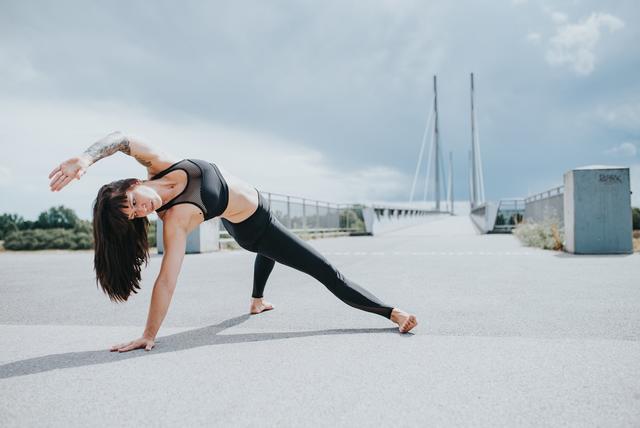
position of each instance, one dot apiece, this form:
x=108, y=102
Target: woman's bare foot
x=404, y=320
x=259, y=305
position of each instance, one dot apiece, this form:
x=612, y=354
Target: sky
x=324, y=100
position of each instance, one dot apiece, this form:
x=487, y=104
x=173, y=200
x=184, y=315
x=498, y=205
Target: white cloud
x=534, y=38
x=624, y=116
x=574, y=44
x=626, y=149
x=58, y=131
x=559, y=17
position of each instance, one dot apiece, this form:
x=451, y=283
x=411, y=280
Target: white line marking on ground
x=429, y=253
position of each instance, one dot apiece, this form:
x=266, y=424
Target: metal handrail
x=290, y=198
x=546, y=194
x=314, y=213
x=515, y=202
x=311, y=208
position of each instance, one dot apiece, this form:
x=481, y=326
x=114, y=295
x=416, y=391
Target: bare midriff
x=243, y=198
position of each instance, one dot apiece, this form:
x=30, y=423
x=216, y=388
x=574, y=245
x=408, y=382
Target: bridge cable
x=444, y=183
x=431, y=150
x=479, y=165
x=424, y=140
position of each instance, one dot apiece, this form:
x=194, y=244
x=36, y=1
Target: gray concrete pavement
x=508, y=335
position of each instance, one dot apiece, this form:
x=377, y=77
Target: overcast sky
x=323, y=100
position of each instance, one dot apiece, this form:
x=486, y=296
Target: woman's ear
x=134, y=184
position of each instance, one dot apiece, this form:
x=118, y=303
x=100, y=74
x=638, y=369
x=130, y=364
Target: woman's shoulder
x=162, y=166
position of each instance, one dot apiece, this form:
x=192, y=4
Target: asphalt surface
x=507, y=336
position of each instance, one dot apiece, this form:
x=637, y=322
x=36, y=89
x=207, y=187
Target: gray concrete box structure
x=204, y=239
x=597, y=210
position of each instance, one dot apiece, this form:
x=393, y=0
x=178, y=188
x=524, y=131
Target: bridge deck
x=508, y=335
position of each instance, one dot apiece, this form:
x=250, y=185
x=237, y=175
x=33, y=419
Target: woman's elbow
x=166, y=283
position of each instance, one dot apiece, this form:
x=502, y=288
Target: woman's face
x=143, y=200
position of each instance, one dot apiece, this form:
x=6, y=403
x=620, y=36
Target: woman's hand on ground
x=142, y=342
x=68, y=170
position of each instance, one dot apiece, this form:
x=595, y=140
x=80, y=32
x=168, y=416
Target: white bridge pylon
x=476, y=177
x=434, y=181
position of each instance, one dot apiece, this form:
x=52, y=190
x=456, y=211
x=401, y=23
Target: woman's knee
x=262, y=260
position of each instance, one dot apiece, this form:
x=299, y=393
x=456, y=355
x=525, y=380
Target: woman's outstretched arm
x=152, y=158
x=114, y=142
x=119, y=142
x=175, y=240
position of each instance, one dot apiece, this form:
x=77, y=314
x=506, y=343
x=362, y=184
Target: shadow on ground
x=205, y=336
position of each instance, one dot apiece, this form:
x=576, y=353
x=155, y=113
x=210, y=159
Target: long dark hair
x=121, y=245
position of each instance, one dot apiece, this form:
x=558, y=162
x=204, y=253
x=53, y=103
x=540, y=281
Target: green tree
x=636, y=218
x=59, y=227
x=9, y=223
x=27, y=225
x=57, y=217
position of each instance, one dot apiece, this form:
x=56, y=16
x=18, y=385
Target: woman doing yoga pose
x=184, y=193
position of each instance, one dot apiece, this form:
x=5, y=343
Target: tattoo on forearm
x=107, y=146
x=143, y=162
x=110, y=144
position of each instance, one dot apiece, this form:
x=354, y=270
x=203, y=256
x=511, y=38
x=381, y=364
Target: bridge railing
x=545, y=206
x=315, y=217
x=510, y=214
x=385, y=218
x=312, y=216
x=483, y=216
x=502, y=217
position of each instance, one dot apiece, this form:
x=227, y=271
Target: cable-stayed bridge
x=486, y=216
x=430, y=197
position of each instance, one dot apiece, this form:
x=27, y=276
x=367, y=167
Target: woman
x=184, y=193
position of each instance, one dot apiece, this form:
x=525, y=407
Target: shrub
x=42, y=239
x=352, y=218
x=19, y=234
x=55, y=217
x=151, y=233
x=636, y=218
x=9, y=223
x=83, y=226
x=545, y=235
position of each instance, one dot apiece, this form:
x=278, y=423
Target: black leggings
x=263, y=234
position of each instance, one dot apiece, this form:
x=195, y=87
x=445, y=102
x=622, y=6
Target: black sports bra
x=206, y=187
